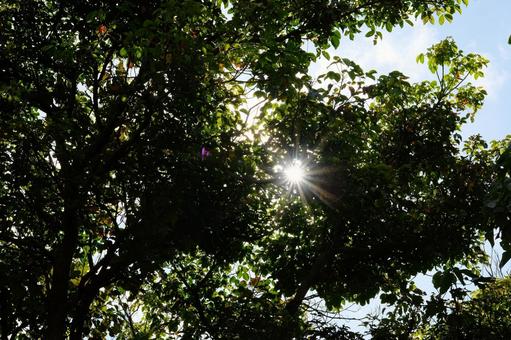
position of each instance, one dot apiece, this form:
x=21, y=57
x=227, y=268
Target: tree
x=132, y=177
x=484, y=314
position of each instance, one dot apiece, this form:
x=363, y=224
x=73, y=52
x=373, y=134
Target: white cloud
x=504, y=51
x=494, y=80
x=397, y=51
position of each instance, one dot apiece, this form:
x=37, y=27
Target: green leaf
x=437, y=278
x=388, y=26
x=123, y=52
x=443, y=280
x=335, y=39
x=138, y=53
x=333, y=75
x=245, y=276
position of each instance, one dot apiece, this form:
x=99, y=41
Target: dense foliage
x=140, y=143
x=484, y=314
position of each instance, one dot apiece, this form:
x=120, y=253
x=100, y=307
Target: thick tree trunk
x=80, y=315
x=58, y=296
x=57, y=299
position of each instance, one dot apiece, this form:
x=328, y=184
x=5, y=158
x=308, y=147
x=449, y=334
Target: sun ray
x=295, y=173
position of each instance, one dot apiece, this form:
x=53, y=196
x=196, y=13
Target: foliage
x=485, y=316
x=137, y=196
x=386, y=148
x=499, y=199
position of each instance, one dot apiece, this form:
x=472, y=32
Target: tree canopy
x=142, y=146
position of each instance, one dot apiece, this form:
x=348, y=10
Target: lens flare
x=295, y=173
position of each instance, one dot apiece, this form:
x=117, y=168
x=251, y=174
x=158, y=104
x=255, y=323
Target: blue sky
x=483, y=28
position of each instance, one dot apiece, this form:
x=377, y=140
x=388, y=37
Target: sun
x=301, y=178
x=294, y=173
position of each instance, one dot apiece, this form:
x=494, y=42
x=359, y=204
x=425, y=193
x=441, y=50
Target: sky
x=483, y=28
